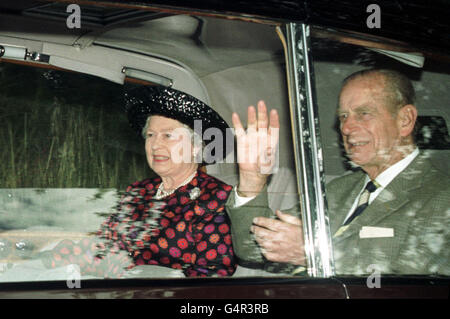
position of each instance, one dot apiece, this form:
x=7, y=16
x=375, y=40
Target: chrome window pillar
x=308, y=150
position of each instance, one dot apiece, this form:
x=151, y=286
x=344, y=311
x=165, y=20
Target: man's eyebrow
x=358, y=109
x=363, y=108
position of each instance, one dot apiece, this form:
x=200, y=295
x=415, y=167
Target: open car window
x=69, y=156
x=70, y=153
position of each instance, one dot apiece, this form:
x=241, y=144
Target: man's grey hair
x=398, y=88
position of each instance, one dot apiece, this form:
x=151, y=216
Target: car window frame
x=304, y=113
x=307, y=149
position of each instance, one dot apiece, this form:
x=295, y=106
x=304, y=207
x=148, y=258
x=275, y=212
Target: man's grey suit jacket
x=415, y=206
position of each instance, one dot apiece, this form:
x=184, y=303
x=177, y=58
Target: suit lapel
x=391, y=199
x=344, y=200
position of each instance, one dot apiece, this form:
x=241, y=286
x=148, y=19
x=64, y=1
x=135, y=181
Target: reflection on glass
x=403, y=228
x=57, y=135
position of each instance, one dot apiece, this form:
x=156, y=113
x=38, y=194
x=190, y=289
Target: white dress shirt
x=239, y=200
x=385, y=178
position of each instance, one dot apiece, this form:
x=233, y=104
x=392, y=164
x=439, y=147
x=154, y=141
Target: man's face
x=371, y=134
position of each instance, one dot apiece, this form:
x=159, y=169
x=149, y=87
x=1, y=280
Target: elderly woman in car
x=178, y=218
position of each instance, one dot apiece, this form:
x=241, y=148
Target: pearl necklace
x=161, y=193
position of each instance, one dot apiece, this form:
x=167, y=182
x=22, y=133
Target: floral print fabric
x=186, y=230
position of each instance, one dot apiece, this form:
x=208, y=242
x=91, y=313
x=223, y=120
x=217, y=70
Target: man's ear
x=406, y=118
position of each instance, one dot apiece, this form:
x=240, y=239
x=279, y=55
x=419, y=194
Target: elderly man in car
x=391, y=214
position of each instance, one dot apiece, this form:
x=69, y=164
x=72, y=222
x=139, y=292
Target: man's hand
x=280, y=240
x=256, y=148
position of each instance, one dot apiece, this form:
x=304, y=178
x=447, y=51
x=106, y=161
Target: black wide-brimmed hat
x=144, y=101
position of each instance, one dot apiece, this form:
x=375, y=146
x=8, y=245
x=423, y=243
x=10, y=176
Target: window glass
x=58, y=137
x=69, y=208
x=404, y=228
x=67, y=155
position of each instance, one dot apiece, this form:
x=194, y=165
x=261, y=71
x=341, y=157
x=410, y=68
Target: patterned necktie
x=363, y=202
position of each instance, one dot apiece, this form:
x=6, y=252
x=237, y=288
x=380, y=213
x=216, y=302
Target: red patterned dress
x=186, y=230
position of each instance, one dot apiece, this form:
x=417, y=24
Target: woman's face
x=168, y=146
